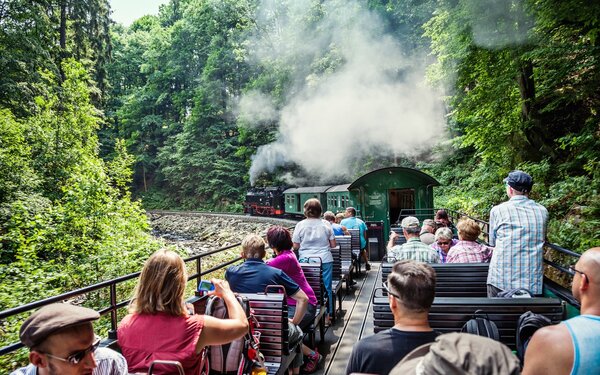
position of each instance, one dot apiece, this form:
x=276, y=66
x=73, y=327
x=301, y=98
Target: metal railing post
x=112, y=334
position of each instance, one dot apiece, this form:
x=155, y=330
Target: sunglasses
x=443, y=243
x=387, y=289
x=77, y=357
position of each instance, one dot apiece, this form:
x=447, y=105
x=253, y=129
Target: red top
x=144, y=338
x=288, y=263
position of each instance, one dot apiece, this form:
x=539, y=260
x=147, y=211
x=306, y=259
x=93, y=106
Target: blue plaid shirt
x=518, y=232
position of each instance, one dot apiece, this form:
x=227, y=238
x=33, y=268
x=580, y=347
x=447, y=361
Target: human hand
x=221, y=288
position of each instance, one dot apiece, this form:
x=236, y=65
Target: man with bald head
x=572, y=347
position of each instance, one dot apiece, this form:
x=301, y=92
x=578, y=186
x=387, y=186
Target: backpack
x=515, y=293
x=481, y=326
x=526, y=326
x=241, y=355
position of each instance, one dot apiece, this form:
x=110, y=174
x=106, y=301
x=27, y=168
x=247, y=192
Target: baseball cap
x=519, y=181
x=409, y=221
x=51, y=319
x=459, y=354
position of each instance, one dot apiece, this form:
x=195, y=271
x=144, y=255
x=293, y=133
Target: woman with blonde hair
x=467, y=249
x=159, y=326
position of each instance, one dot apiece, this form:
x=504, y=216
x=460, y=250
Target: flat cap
x=410, y=221
x=51, y=319
x=519, y=181
x=459, y=354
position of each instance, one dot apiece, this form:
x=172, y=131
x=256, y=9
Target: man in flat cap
x=61, y=341
x=413, y=248
x=518, y=233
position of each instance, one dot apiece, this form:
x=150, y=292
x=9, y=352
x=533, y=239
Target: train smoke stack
x=370, y=100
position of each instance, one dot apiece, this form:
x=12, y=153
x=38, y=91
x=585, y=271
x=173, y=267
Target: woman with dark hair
x=159, y=326
x=314, y=239
x=280, y=240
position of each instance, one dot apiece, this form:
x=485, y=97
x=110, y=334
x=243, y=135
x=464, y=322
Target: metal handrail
x=114, y=305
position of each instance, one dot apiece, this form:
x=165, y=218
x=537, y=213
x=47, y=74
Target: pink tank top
x=144, y=338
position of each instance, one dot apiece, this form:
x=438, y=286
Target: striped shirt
x=108, y=362
x=518, y=232
x=469, y=252
x=416, y=250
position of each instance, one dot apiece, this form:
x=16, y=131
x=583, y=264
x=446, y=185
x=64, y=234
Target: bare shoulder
x=550, y=351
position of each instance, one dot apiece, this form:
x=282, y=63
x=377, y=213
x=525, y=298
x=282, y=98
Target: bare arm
x=393, y=236
x=332, y=243
x=550, y=352
x=295, y=245
x=301, y=305
x=222, y=331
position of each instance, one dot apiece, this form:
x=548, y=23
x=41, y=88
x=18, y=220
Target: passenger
x=254, y=275
x=574, y=345
x=61, y=340
x=339, y=217
x=314, y=239
x=468, y=250
x=352, y=222
x=443, y=242
x=442, y=219
x=459, y=353
x=428, y=232
x=518, y=232
x=338, y=230
x=411, y=289
x=159, y=326
x=413, y=248
x=280, y=240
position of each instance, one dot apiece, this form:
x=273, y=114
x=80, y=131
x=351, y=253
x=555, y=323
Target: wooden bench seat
x=454, y=279
x=271, y=312
x=449, y=314
x=314, y=275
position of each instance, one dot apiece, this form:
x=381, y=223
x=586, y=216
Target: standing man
x=61, y=340
x=574, y=345
x=518, y=233
x=413, y=248
x=352, y=222
x=411, y=289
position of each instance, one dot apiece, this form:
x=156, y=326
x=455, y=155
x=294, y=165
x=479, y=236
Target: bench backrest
x=454, y=279
x=336, y=253
x=449, y=314
x=355, y=240
x=314, y=275
x=345, y=244
x=271, y=312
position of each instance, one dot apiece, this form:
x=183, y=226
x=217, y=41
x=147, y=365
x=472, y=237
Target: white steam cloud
x=373, y=102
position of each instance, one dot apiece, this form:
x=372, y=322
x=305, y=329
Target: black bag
x=526, y=326
x=481, y=326
x=516, y=293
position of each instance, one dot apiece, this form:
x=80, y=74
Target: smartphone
x=206, y=286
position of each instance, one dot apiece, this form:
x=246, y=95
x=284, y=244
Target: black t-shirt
x=378, y=354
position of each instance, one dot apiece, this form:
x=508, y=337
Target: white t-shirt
x=313, y=236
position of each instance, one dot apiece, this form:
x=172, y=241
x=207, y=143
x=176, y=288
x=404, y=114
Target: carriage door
x=401, y=199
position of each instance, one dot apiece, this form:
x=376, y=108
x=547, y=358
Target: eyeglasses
x=77, y=357
x=443, y=243
x=387, y=289
x=573, y=269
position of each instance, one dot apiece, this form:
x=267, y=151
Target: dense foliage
x=174, y=108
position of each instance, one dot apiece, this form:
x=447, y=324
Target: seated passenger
x=443, y=242
x=159, y=326
x=338, y=230
x=442, y=219
x=459, y=353
x=280, y=240
x=61, y=340
x=574, y=345
x=411, y=289
x=467, y=249
x=254, y=275
x=428, y=232
x=413, y=248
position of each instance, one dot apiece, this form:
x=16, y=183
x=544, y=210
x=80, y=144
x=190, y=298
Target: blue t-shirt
x=254, y=275
x=353, y=222
x=586, y=343
x=337, y=229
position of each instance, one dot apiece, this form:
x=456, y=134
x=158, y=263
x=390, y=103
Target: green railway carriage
x=380, y=195
x=294, y=198
x=338, y=198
